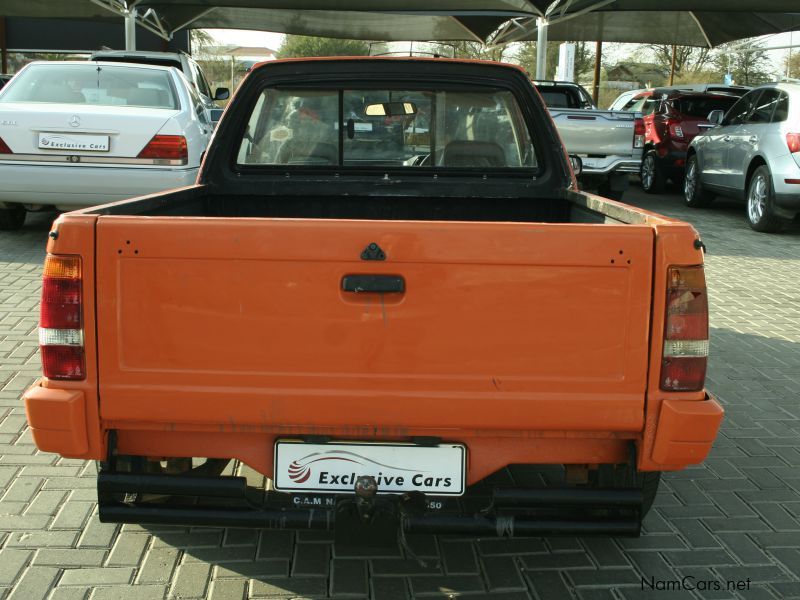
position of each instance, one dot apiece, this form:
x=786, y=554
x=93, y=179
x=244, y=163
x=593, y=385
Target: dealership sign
x=62, y=141
x=397, y=468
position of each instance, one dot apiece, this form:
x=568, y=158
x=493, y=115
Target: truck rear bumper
x=57, y=419
x=686, y=431
x=604, y=166
x=684, y=435
x=230, y=502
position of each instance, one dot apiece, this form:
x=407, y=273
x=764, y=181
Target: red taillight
x=167, y=147
x=4, y=149
x=793, y=141
x=683, y=367
x=61, y=322
x=638, y=133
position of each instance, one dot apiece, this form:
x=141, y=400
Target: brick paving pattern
x=736, y=517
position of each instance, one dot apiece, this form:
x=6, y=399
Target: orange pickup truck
x=387, y=297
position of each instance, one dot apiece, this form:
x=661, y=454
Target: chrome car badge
x=75, y=121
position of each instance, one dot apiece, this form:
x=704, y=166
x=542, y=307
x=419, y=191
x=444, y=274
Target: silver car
x=751, y=153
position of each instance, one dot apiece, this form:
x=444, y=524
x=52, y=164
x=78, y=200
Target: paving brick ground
x=734, y=518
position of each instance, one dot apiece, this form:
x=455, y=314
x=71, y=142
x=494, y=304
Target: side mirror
x=222, y=94
x=577, y=164
x=715, y=117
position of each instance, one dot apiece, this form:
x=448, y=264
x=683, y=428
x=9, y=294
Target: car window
x=202, y=84
x=739, y=111
x=205, y=89
x=762, y=112
x=635, y=104
x=781, y=108
x=699, y=106
x=93, y=84
x=400, y=128
x=559, y=98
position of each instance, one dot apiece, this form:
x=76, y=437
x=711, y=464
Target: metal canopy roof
x=705, y=23
x=687, y=22
x=684, y=28
x=414, y=20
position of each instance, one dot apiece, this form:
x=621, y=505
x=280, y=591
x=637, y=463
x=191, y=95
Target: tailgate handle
x=386, y=284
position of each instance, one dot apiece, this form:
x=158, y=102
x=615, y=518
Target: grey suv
x=752, y=153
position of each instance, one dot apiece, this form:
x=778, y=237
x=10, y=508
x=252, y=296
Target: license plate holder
x=438, y=470
x=79, y=142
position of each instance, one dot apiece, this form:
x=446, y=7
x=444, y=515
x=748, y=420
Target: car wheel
x=760, y=212
x=694, y=194
x=12, y=218
x=652, y=174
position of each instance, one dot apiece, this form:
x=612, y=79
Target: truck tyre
x=12, y=218
x=652, y=174
x=694, y=194
x=760, y=211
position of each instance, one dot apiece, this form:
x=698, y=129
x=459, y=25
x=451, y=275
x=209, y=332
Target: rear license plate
x=334, y=468
x=73, y=141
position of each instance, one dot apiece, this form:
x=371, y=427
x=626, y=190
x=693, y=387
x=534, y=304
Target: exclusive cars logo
x=300, y=470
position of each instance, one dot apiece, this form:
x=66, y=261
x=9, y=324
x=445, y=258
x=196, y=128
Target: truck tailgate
x=245, y=323
x=595, y=132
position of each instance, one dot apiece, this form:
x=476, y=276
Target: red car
x=672, y=118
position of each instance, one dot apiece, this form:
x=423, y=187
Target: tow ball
x=366, y=488
x=366, y=521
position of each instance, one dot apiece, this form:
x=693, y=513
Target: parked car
x=75, y=134
x=672, y=117
x=4, y=79
x=609, y=143
x=623, y=100
x=181, y=61
x=751, y=153
x=377, y=339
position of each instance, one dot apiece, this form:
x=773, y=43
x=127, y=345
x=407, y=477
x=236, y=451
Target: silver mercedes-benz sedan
x=752, y=152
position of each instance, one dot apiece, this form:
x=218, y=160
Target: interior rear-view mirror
x=222, y=93
x=391, y=109
x=577, y=164
x=715, y=117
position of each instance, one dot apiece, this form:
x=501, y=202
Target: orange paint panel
x=686, y=431
x=57, y=419
x=501, y=326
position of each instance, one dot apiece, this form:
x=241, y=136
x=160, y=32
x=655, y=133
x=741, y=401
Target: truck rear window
x=380, y=128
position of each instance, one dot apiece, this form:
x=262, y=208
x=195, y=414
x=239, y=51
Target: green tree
x=688, y=59
x=294, y=46
x=748, y=62
x=471, y=50
x=525, y=56
x=791, y=63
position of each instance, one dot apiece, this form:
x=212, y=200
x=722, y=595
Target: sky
x=273, y=40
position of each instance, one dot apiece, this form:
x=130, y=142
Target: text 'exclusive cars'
x=383, y=289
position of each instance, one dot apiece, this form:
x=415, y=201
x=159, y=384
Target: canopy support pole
x=130, y=30
x=3, y=47
x=672, y=67
x=541, y=49
x=598, y=54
